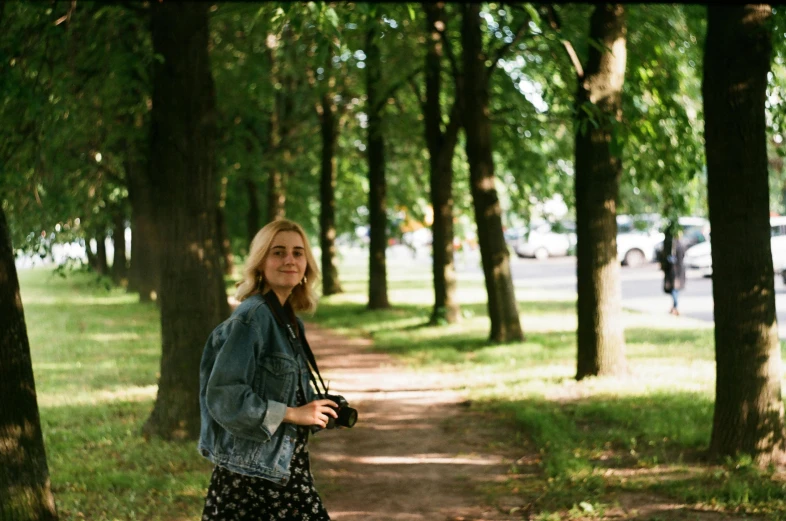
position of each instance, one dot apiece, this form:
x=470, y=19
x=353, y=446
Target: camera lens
x=347, y=416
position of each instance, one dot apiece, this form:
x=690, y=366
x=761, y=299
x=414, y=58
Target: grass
x=96, y=354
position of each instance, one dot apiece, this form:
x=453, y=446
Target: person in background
x=673, y=266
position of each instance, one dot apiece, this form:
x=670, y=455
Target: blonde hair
x=303, y=296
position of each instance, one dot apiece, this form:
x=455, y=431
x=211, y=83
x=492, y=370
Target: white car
x=699, y=257
x=637, y=238
x=545, y=239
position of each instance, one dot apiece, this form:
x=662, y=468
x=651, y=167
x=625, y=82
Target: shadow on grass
x=667, y=337
x=594, y=448
x=102, y=466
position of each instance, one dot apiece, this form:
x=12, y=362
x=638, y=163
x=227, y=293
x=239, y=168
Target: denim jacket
x=248, y=377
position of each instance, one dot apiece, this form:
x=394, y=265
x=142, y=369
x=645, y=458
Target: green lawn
x=96, y=358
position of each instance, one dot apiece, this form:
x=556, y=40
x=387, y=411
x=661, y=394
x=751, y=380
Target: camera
x=347, y=416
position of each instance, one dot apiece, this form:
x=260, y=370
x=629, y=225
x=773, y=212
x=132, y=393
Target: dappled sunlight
x=77, y=299
x=415, y=459
x=96, y=397
x=548, y=323
x=113, y=337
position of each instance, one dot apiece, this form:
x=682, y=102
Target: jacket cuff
x=274, y=417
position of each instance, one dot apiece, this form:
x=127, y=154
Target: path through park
x=419, y=453
x=412, y=455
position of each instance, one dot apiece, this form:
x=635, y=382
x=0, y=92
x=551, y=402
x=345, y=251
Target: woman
x=673, y=266
x=255, y=399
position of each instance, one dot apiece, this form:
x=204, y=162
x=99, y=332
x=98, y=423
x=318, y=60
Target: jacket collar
x=284, y=315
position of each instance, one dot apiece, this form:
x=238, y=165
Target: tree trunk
x=25, y=490
x=252, y=217
x=192, y=297
x=441, y=148
x=276, y=196
x=601, y=342
x=748, y=406
x=502, y=307
x=327, y=192
x=102, y=264
x=119, y=267
x=92, y=260
x=227, y=260
x=377, y=269
x=145, y=270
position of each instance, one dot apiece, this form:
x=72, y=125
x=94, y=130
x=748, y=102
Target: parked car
x=637, y=237
x=695, y=230
x=544, y=239
x=699, y=256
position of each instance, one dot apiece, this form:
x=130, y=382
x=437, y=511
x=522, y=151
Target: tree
x=749, y=417
x=377, y=185
x=502, y=307
x=328, y=119
x=193, y=300
x=441, y=145
x=25, y=491
x=601, y=343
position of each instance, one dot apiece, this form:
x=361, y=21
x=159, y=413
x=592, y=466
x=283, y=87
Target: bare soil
x=418, y=452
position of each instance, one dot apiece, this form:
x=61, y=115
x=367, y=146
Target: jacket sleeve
x=230, y=397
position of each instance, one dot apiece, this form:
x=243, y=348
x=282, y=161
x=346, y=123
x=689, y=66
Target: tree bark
x=276, y=194
x=441, y=146
x=119, y=267
x=102, y=263
x=92, y=260
x=748, y=406
x=327, y=192
x=193, y=300
x=25, y=490
x=252, y=217
x=227, y=259
x=601, y=342
x=145, y=270
x=502, y=307
x=377, y=185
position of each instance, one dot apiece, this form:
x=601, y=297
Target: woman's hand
x=313, y=413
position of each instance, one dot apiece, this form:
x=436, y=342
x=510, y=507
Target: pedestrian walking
x=673, y=266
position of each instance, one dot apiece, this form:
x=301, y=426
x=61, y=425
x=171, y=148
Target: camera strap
x=300, y=347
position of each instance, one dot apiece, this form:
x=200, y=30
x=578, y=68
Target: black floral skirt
x=236, y=497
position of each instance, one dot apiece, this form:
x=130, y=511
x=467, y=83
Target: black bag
x=668, y=284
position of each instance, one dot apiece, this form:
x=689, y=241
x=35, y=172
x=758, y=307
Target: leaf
x=586, y=507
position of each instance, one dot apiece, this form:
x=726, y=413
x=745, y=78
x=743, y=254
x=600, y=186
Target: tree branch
x=135, y=7
x=418, y=95
x=393, y=88
x=451, y=55
x=556, y=26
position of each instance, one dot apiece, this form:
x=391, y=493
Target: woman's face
x=286, y=263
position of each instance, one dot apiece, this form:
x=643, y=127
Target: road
x=641, y=286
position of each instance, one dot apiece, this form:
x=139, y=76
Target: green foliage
x=663, y=157
x=80, y=87
x=75, y=103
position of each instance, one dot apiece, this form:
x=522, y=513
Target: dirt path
x=418, y=453
x=411, y=456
